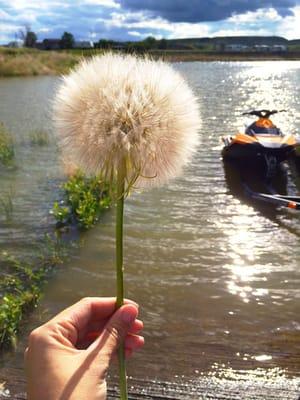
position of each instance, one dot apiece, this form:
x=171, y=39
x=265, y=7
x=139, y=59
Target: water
x=217, y=277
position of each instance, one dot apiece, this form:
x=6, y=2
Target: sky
x=136, y=19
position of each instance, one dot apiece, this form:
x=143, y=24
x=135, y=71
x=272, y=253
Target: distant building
x=279, y=48
x=51, y=44
x=262, y=48
x=236, y=47
x=39, y=45
x=83, y=45
x=119, y=46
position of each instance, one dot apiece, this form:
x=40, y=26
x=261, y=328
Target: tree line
x=67, y=41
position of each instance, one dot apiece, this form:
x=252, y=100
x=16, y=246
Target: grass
x=85, y=199
x=6, y=205
x=39, y=137
x=31, y=62
x=7, y=152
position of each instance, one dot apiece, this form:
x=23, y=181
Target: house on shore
x=257, y=48
x=83, y=44
x=50, y=44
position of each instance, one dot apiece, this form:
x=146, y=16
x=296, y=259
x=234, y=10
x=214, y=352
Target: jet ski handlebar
x=263, y=113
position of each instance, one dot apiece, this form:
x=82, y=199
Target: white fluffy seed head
x=115, y=109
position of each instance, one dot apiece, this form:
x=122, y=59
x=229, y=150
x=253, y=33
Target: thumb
x=115, y=331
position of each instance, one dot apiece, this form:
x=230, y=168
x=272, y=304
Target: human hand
x=68, y=357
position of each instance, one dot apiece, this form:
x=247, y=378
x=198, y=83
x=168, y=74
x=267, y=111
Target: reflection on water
x=217, y=277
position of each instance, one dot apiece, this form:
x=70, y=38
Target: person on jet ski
x=263, y=126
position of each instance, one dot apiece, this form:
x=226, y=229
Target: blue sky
x=137, y=19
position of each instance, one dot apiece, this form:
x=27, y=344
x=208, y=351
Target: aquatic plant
x=20, y=290
x=21, y=285
x=7, y=151
x=6, y=205
x=85, y=199
x=131, y=120
x=39, y=137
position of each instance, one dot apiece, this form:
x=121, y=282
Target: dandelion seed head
x=115, y=108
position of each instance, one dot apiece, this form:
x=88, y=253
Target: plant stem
x=120, y=269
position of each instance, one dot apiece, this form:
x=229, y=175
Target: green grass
x=7, y=152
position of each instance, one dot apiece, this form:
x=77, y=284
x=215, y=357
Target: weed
x=20, y=290
x=21, y=286
x=6, y=205
x=7, y=152
x=85, y=200
x=39, y=137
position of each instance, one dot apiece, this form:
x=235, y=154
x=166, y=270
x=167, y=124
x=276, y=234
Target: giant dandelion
x=133, y=120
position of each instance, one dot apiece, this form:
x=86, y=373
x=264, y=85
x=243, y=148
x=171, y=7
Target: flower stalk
x=119, y=270
x=132, y=120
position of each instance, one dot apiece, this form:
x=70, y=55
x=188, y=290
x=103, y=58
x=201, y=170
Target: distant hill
x=202, y=43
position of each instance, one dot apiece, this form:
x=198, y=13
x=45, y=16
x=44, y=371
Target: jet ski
x=259, y=153
x=261, y=143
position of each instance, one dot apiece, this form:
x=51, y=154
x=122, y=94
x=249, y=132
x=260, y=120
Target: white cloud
x=264, y=21
x=4, y=15
x=44, y=30
x=139, y=20
x=181, y=30
x=260, y=15
x=9, y=28
x=103, y=3
x=289, y=27
x=135, y=33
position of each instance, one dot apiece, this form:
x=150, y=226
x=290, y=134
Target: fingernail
x=129, y=314
x=132, y=302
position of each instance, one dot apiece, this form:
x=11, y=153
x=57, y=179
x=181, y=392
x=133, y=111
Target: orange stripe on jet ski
x=243, y=139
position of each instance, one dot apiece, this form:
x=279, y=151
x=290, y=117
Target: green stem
x=120, y=269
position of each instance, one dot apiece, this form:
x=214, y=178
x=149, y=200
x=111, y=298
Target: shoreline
x=32, y=62
x=177, y=56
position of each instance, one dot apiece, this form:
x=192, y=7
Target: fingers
x=95, y=330
x=133, y=343
x=74, y=321
x=116, y=331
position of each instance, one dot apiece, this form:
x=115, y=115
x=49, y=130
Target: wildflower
x=115, y=109
x=132, y=120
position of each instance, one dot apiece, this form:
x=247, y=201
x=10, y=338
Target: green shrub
x=85, y=200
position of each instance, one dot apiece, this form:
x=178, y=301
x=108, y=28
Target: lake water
x=217, y=277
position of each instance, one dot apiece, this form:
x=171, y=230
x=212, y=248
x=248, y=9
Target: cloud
x=290, y=25
x=103, y=3
x=260, y=15
x=203, y=11
x=137, y=19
